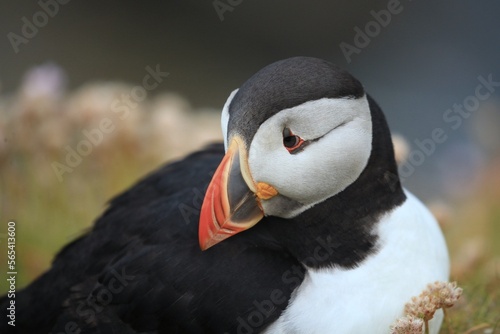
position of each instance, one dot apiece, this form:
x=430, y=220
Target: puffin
x=296, y=223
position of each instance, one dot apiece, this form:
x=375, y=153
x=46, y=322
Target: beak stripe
x=230, y=205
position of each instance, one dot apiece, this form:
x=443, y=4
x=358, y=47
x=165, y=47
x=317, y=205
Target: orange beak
x=232, y=201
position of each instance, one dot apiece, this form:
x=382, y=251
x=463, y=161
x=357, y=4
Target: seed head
x=408, y=325
x=437, y=295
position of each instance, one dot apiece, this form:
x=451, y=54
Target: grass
x=49, y=215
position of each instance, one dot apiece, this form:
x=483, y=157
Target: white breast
x=369, y=298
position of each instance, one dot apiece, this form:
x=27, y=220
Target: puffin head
x=296, y=133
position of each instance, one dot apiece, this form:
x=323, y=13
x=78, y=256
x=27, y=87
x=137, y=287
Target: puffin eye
x=290, y=141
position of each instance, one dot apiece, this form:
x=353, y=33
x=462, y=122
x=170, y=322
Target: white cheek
x=325, y=167
x=224, y=120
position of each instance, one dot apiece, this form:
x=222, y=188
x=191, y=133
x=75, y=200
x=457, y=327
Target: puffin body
x=297, y=224
x=368, y=298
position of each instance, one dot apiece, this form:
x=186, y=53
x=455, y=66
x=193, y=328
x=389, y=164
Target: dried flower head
x=445, y=293
x=422, y=307
x=437, y=295
x=408, y=325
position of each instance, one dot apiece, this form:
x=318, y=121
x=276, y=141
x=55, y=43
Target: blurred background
x=66, y=67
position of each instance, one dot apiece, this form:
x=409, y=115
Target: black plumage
x=140, y=269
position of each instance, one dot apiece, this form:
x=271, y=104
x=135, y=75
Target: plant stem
x=448, y=321
x=426, y=324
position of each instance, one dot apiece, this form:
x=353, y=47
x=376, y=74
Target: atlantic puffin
x=297, y=223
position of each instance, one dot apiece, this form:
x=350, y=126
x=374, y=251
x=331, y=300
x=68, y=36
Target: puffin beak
x=232, y=201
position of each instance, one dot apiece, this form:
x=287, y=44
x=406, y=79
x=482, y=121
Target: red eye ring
x=290, y=141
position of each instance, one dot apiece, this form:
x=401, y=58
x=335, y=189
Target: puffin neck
x=341, y=231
